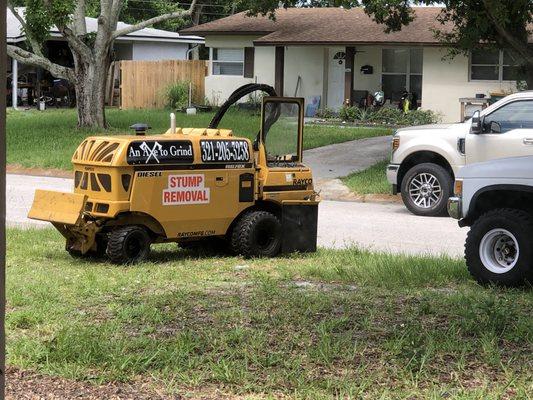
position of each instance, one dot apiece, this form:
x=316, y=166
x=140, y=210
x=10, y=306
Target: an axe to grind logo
x=164, y=152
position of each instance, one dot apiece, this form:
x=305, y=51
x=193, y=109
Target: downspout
x=190, y=51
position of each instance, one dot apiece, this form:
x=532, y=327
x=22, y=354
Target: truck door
x=505, y=132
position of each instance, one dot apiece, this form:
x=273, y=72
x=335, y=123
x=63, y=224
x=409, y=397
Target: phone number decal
x=225, y=150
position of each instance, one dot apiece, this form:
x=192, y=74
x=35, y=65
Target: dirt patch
x=54, y=172
x=31, y=385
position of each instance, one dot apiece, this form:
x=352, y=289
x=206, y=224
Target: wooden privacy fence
x=143, y=83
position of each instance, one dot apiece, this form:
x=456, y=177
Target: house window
x=228, y=62
x=401, y=70
x=492, y=65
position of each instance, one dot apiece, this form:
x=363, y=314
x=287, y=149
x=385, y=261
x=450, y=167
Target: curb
x=16, y=169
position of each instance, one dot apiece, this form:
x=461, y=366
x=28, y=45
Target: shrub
x=326, y=113
x=177, y=95
x=388, y=116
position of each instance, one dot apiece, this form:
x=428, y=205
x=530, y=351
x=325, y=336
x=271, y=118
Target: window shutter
x=249, y=55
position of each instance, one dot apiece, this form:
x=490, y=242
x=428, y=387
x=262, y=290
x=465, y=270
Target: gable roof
x=301, y=26
x=16, y=34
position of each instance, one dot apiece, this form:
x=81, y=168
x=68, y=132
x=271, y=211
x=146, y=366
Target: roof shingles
x=324, y=26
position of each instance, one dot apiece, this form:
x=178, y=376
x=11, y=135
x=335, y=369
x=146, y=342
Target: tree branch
x=79, y=25
x=35, y=46
x=76, y=43
x=26, y=57
x=116, y=7
x=517, y=45
x=152, y=21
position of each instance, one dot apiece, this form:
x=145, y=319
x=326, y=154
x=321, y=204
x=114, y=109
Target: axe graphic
x=152, y=152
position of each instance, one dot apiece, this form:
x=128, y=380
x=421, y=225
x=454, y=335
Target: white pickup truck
x=495, y=199
x=426, y=159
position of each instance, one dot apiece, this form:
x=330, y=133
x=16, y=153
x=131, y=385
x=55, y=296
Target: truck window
x=515, y=115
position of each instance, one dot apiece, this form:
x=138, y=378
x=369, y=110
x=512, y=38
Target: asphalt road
x=377, y=226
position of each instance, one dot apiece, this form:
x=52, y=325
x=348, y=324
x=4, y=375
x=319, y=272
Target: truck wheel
x=257, y=234
x=426, y=188
x=498, y=247
x=128, y=245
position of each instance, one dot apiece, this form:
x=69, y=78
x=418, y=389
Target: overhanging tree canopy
x=91, y=51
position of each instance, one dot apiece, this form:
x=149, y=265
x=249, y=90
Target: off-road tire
x=128, y=245
x=518, y=223
x=444, y=180
x=257, y=234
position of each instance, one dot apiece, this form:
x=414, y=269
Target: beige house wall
x=444, y=82
x=219, y=87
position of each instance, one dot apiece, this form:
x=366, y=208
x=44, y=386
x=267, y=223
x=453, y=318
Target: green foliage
x=135, y=11
x=326, y=113
x=388, y=116
x=42, y=14
x=177, y=95
x=268, y=7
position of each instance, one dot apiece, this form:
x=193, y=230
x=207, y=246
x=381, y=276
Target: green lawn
x=48, y=139
x=336, y=324
x=372, y=180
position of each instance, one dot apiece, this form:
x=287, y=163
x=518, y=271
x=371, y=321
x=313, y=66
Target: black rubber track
x=520, y=224
x=116, y=244
x=242, y=237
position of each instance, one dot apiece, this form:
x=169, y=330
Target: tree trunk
x=90, y=83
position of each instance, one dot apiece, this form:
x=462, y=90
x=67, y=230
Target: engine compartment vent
x=96, y=150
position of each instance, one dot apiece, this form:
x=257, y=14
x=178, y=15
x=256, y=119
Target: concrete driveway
x=386, y=227
x=341, y=159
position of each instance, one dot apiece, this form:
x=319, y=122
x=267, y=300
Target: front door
x=336, y=69
x=507, y=132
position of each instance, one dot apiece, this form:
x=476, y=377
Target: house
x=342, y=54
x=145, y=44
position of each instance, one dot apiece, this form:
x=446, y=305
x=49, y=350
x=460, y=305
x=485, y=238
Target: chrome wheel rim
x=499, y=251
x=425, y=190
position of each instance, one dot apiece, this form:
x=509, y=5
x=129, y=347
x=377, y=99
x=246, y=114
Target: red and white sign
x=185, y=189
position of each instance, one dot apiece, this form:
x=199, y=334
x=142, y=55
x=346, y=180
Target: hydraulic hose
x=236, y=96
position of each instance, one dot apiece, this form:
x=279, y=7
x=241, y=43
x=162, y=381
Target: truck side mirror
x=477, y=124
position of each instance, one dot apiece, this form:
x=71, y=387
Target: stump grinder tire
x=426, y=188
x=128, y=245
x=498, y=248
x=257, y=234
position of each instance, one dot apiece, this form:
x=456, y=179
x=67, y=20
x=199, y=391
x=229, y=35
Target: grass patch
x=372, y=180
x=48, y=139
x=338, y=323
